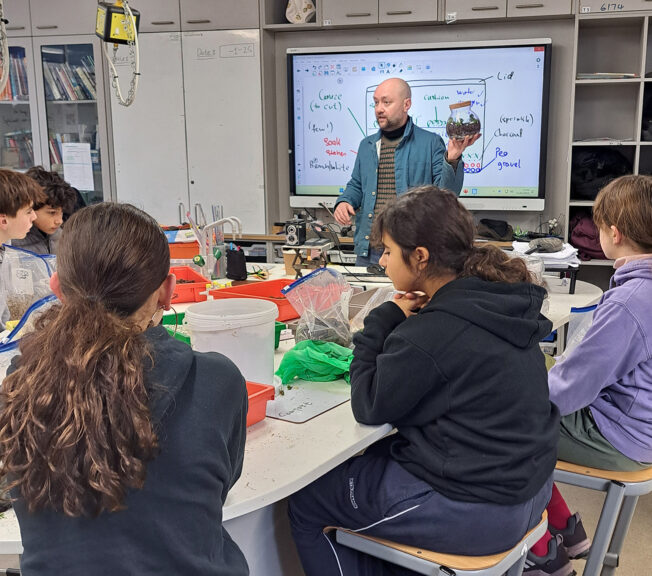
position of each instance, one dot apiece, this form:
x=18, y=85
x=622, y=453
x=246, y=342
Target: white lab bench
x=283, y=457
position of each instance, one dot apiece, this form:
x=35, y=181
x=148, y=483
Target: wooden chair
x=623, y=490
x=422, y=561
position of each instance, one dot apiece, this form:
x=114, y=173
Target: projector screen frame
x=484, y=203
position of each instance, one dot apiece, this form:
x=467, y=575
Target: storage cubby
x=646, y=114
x=645, y=160
x=606, y=111
x=574, y=213
x=611, y=112
x=596, y=42
x=591, y=165
x=648, y=51
x=273, y=15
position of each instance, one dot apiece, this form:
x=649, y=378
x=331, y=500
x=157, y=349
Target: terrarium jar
x=462, y=121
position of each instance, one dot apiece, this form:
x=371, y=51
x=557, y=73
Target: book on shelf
x=21, y=76
x=50, y=82
x=65, y=82
x=19, y=145
x=55, y=151
x=16, y=88
x=7, y=94
x=86, y=83
x=75, y=83
x=68, y=82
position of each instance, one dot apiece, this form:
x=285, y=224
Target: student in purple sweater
x=604, y=387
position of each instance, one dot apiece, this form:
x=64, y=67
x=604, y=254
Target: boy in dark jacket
x=59, y=201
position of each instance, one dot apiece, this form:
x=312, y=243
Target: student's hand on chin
x=410, y=302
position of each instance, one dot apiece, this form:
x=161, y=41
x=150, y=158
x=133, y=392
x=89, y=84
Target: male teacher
x=398, y=157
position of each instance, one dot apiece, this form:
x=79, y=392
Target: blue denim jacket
x=419, y=160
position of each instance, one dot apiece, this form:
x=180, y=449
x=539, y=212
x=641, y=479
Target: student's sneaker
x=554, y=563
x=576, y=541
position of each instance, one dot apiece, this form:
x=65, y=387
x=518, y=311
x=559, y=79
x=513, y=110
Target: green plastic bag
x=316, y=361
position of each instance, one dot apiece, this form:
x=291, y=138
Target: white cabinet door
x=72, y=110
x=17, y=14
x=337, y=12
x=475, y=9
x=149, y=138
x=20, y=146
x=224, y=123
x=51, y=17
x=222, y=14
x=533, y=8
x=158, y=15
x=407, y=11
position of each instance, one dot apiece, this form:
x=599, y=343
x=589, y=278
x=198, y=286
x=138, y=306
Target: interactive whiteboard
x=507, y=83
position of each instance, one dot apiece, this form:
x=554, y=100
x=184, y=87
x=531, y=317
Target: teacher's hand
x=343, y=213
x=456, y=147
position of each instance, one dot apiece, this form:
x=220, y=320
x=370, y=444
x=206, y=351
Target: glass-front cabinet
x=73, y=122
x=19, y=148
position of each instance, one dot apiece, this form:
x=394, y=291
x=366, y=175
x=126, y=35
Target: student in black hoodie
x=118, y=442
x=454, y=364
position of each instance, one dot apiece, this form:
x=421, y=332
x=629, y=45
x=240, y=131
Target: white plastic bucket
x=240, y=328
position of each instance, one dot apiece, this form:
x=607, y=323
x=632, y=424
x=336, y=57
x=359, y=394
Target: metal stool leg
x=605, y=529
x=517, y=569
x=618, y=539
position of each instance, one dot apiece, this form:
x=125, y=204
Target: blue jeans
x=377, y=496
x=372, y=258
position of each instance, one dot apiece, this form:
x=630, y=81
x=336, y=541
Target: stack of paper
x=561, y=260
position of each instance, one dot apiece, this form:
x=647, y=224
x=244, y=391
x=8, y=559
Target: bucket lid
x=228, y=313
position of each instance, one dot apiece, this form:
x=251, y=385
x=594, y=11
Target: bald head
x=392, y=100
x=399, y=86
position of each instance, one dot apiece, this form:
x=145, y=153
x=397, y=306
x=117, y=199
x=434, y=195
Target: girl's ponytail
x=84, y=434
x=493, y=264
x=75, y=427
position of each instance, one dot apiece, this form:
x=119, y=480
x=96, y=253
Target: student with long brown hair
x=119, y=443
x=455, y=365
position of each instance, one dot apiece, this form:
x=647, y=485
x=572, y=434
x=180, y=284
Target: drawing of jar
x=462, y=121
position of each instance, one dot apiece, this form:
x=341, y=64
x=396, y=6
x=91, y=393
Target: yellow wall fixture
x=118, y=24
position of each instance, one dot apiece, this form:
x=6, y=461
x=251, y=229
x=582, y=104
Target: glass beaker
x=462, y=121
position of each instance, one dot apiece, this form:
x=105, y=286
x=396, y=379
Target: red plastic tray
x=183, y=250
x=258, y=395
x=188, y=291
x=269, y=290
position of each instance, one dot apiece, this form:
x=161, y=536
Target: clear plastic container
x=462, y=121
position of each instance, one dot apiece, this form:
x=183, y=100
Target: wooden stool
x=422, y=561
x=623, y=490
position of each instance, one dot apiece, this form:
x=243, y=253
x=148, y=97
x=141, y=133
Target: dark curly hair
x=59, y=194
x=432, y=217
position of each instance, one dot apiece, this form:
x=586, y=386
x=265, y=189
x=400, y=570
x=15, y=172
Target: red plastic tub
x=189, y=290
x=268, y=290
x=184, y=250
x=258, y=395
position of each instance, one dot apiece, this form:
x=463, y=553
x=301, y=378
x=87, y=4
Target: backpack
x=593, y=168
x=585, y=236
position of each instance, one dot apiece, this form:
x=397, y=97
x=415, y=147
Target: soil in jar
x=458, y=129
